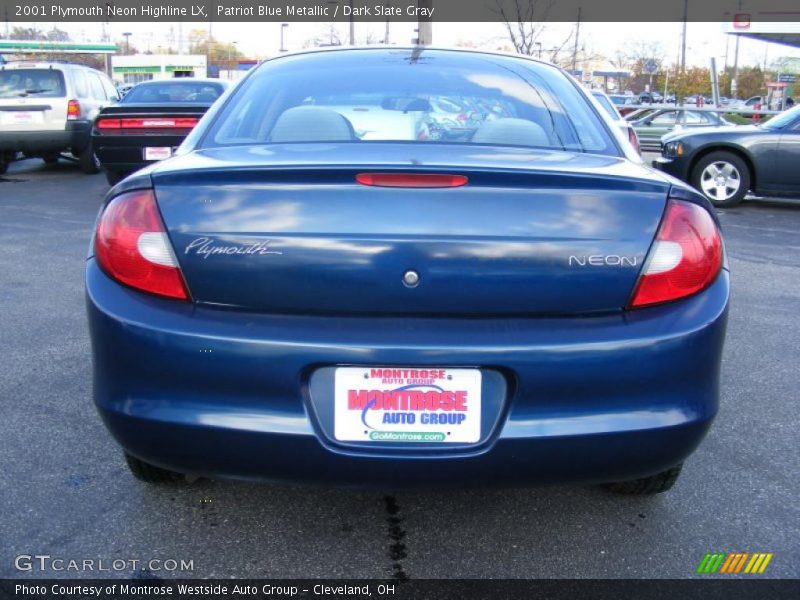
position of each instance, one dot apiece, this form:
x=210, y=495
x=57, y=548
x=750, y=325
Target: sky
x=260, y=40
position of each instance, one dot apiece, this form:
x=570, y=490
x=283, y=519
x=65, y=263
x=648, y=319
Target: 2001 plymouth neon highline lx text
x=406, y=266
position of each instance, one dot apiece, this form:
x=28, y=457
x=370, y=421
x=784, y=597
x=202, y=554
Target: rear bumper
x=226, y=393
x=125, y=154
x=74, y=137
x=673, y=166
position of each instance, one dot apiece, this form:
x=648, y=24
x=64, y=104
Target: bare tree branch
x=524, y=21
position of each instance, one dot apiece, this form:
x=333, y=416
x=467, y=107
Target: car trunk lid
x=289, y=229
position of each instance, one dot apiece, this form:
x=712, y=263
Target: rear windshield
x=438, y=97
x=168, y=93
x=39, y=83
x=612, y=112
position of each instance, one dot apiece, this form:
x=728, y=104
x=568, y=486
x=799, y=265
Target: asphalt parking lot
x=66, y=492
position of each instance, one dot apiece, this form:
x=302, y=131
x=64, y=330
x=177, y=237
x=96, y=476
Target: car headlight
x=673, y=149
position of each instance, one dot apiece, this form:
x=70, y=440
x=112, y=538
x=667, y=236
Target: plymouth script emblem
x=205, y=247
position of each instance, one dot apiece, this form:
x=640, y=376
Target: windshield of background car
x=41, y=83
x=785, y=118
x=410, y=96
x=174, y=93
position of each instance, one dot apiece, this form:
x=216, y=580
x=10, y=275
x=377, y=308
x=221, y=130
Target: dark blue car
x=318, y=288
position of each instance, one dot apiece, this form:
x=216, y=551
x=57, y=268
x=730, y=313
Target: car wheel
x=647, y=486
x=114, y=177
x=151, y=473
x=88, y=160
x=722, y=177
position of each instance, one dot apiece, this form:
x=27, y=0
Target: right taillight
x=132, y=246
x=684, y=259
x=73, y=110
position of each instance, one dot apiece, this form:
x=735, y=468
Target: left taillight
x=73, y=110
x=132, y=246
x=633, y=138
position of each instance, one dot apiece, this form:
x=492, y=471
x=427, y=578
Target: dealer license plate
x=408, y=404
x=22, y=117
x=157, y=152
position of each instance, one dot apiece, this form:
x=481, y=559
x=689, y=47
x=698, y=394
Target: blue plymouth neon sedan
x=407, y=267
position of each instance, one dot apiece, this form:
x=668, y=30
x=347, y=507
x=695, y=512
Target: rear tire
x=722, y=177
x=151, y=473
x=647, y=486
x=114, y=177
x=88, y=161
x=6, y=158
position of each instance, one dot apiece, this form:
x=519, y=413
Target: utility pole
x=714, y=81
x=683, y=42
x=106, y=57
x=352, y=26
x=386, y=34
x=727, y=40
x=283, y=28
x=208, y=46
x=424, y=25
x=735, y=74
x=575, y=47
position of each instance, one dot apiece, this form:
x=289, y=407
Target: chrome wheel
x=720, y=181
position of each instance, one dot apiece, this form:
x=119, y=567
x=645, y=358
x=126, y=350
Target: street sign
x=650, y=66
x=787, y=78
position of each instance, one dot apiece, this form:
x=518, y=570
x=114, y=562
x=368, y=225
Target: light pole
x=683, y=42
x=127, y=36
x=231, y=48
x=386, y=33
x=331, y=26
x=575, y=48
x=735, y=73
x=352, y=25
x=283, y=28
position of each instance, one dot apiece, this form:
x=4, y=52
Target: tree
x=620, y=60
x=26, y=33
x=218, y=53
x=524, y=23
x=694, y=80
x=326, y=36
x=126, y=46
x=57, y=35
x=750, y=82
